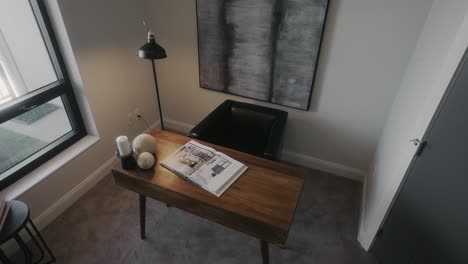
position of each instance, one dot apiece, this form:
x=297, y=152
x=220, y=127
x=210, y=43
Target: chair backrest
x=252, y=119
x=251, y=125
x=246, y=127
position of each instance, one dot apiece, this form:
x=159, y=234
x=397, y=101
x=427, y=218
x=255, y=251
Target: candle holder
x=128, y=162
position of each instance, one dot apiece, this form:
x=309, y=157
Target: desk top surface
x=267, y=193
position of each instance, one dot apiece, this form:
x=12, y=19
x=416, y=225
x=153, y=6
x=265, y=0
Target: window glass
x=39, y=114
x=25, y=64
x=28, y=133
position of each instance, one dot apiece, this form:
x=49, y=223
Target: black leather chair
x=245, y=127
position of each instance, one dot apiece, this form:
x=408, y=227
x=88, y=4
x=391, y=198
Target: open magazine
x=204, y=166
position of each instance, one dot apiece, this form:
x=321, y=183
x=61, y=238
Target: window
x=39, y=115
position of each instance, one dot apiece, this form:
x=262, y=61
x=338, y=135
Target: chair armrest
x=274, y=140
x=211, y=122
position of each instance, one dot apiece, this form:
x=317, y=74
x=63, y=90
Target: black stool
x=17, y=220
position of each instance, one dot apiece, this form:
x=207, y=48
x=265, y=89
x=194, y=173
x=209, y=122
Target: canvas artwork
x=262, y=49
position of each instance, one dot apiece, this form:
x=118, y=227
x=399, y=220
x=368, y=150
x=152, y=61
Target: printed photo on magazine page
x=189, y=158
x=214, y=167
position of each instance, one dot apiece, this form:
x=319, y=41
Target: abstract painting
x=262, y=49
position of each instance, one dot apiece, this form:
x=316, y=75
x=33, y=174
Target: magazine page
x=187, y=159
x=218, y=172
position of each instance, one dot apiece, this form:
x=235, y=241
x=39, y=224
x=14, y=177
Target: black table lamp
x=153, y=51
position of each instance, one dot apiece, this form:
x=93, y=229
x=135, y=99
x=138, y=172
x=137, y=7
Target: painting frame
x=313, y=73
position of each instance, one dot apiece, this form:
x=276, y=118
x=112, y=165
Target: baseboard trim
x=323, y=165
x=51, y=213
x=293, y=157
x=178, y=126
x=363, y=237
x=153, y=126
x=72, y=196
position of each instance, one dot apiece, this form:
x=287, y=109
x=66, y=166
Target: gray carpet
x=103, y=227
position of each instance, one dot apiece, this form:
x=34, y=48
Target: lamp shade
x=152, y=50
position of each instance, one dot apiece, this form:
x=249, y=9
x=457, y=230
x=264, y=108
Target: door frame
x=448, y=90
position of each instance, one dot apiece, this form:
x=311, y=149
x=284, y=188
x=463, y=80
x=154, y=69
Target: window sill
x=51, y=166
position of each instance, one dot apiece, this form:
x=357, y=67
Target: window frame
x=61, y=88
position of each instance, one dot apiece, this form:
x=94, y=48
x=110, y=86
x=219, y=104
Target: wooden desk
x=261, y=203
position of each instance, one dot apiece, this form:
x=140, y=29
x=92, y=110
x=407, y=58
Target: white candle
x=123, y=145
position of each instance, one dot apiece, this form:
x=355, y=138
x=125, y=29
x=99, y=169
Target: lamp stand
x=157, y=94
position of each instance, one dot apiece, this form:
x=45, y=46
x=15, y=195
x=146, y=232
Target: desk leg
x=142, y=215
x=265, y=252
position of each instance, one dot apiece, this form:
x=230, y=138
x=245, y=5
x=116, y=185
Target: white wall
x=113, y=80
x=366, y=48
x=438, y=52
